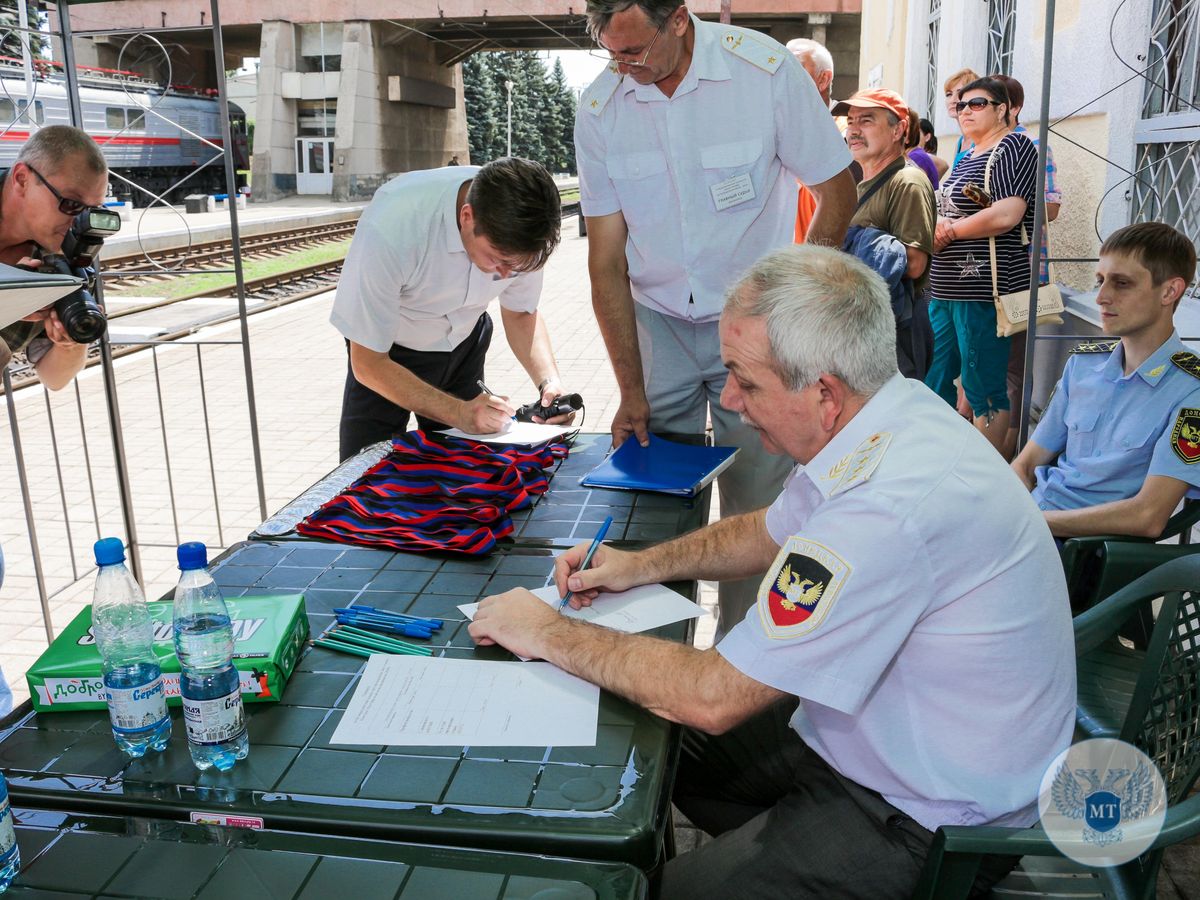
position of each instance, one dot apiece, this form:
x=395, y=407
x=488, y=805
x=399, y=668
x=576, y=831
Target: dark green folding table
x=66, y=856
x=566, y=515
x=608, y=802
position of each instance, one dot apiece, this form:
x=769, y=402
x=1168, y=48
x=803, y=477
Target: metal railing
x=70, y=498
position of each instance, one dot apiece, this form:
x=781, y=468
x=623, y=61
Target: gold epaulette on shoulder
x=1095, y=347
x=600, y=91
x=1187, y=361
x=757, y=52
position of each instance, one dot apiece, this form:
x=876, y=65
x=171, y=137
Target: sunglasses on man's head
x=976, y=103
x=66, y=205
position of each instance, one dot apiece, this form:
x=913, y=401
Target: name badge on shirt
x=733, y=191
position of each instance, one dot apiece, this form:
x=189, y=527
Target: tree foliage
x=11, y=36
x=543, y=109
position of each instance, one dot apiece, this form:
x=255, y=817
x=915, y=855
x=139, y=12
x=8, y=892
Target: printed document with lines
x=431, y=701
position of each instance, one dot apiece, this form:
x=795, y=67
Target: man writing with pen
x=909, y=663
x=432, y=250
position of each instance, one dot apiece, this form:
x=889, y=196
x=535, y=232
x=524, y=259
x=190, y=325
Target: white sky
x=578, y=66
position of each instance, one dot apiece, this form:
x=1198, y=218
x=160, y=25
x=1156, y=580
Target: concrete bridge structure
x=352, y=92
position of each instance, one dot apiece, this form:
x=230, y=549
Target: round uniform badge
x=1102, y=802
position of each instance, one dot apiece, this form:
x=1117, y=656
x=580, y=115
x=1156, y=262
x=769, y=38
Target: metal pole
x=26, y=58
x=231, y=192
x=1039, y=223
x=38, y=572
x=120, y=464
x=509, y=86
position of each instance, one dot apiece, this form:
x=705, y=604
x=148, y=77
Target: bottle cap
x=109, y=551
x=192, y=555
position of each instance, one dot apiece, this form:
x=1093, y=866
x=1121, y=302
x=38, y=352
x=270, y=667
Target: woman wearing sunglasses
x=989, y=194
x=59, y=172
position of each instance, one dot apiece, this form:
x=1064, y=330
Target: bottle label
x=214, y=721
x=137, y=708
x=8, y=834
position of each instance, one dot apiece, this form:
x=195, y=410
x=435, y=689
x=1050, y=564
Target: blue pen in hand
x=587, y=560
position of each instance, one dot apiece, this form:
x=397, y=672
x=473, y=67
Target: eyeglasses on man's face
x=602, y=52
x=66, y=205
x=976, y=104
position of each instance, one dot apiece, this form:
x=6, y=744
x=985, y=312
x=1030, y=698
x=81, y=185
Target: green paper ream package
x=268, y=633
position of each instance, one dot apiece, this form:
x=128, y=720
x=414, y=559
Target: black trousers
x=787, y=825
x=368, y=417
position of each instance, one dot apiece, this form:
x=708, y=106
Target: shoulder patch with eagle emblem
x=1185, y=436
x=800, y=588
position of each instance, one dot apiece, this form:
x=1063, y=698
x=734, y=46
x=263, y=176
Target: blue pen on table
x=587, y=560
x=388, y=614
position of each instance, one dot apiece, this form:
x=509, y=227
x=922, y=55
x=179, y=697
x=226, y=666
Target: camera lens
x=81, y=316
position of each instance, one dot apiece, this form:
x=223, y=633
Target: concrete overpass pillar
x=273, y=174
x=399, y=109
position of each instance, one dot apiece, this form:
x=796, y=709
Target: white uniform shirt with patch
x=930, y=637
x=407, y=279
x=701, y=177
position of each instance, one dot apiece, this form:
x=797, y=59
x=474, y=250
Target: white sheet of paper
x=637, y=609
x=430, y=701
x=519, y=433
x=24, y=292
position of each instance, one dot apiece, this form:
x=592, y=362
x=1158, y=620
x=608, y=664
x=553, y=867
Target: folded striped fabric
x=445, y=495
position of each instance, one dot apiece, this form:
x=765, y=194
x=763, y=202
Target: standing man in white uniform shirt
x=432, y=250
x=910, y=662
x=689, y=146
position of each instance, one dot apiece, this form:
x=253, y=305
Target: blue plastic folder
x=665, y=467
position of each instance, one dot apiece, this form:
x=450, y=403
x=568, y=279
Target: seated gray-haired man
x=910, y=659
x=59, y=172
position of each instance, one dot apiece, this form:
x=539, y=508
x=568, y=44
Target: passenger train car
x=149, y=135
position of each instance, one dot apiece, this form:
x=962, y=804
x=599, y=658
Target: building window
x=933, y=27
x=1002, y=21
x=1166, y=184
x=1173, y=74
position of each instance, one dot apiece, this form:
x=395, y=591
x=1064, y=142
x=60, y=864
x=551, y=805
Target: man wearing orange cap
x=896, y=198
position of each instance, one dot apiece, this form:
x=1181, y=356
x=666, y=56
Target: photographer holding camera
x=59, y=173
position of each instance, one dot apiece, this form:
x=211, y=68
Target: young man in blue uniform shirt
x=909, y=662
x=1119, y=445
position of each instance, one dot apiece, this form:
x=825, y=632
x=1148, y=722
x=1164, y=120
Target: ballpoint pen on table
x=587, y=560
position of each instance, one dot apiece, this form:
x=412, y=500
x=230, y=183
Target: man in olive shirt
x=896, y=198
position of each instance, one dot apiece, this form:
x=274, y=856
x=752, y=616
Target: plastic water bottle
x=208, y=681
x=124, y=631
x=10, y=854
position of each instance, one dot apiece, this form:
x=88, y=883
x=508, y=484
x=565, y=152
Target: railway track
x=173, y=260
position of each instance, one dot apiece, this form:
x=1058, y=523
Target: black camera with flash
x=80, y=314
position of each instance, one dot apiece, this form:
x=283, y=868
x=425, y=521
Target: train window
x=8, y=112
x=114, y=117
x=137, y=120
x=39, y=111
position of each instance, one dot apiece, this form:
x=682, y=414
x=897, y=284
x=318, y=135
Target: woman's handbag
x=1012, y=310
